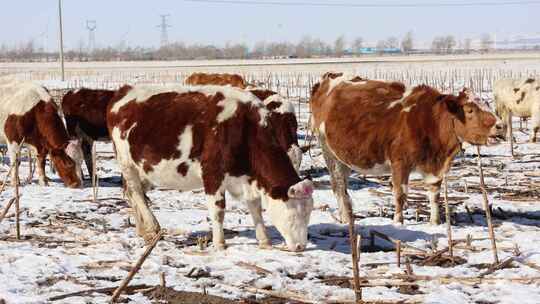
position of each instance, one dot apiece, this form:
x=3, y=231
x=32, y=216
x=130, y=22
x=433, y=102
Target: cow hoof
x=220, y=246
x=398, y=219
x=435, y=222
x=265, y=245
x=43, y=183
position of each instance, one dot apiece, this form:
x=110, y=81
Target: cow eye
x=469, y=111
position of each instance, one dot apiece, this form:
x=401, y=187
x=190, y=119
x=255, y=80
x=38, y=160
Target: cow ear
x=453, y=104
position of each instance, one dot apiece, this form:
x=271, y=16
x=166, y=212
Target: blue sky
x=136, y=21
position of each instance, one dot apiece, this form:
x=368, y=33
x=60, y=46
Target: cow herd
x=221, y=134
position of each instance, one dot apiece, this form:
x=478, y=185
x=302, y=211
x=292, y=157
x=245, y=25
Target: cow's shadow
x=334, y=237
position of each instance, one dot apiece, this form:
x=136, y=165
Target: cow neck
x=452, y=140
x=271, y=167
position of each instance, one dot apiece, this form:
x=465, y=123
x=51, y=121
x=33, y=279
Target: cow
x=212, y=137
x=85, y=112
x=377, y=127
x=29, y=116
x=233, y=80
x=282, y=118
x=522, y=98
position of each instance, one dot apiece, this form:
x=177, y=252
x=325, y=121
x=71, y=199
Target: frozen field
x=72, y=244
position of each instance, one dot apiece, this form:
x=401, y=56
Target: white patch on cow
x=165, y=173
x=17, y=98
x=291, y=218
x=431, y=179
x=322, y=128
x=20, y=97
x=332, y=83
x=285, y=107
x=229, y=109
x=295, y=155
x=400, y=101
x=408, y=109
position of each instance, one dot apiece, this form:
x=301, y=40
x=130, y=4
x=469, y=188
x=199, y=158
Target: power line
x=369, y=5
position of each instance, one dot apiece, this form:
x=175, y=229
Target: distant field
x=526, y=60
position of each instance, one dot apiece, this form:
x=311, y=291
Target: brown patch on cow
x=221, y=204
x=216, y=79
x=357, y=79
x=331, y=75
x=538, y=88
x=182, y=169
x=516, y=90
x=284, y=125
x=262, y=94
x=273, y=105
x=86, y=109
x=530, y=80
x=523, y=94
x=239, y=146
x=42, y=128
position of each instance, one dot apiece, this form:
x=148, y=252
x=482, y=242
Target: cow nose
x=490, y=120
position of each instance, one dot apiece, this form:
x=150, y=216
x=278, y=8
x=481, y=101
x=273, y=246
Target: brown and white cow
x=85, y=112
x=213, y=137
x=282, y=119
x=521, y=97
x=376, y=127
x=28, y=115
x=233, y=80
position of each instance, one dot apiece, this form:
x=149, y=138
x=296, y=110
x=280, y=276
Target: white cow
x=522, y=98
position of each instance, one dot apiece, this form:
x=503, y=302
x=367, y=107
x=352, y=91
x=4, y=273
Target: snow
x=76, y=244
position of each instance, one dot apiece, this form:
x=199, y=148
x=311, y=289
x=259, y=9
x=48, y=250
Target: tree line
x=307, y=47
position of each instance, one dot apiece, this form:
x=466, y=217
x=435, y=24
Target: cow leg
x=13, y=148
x=255, y=209
x=535, y=122
x=146, y=223
x=339, y=175
x=87, y=151
x=434, y=194
x=216, y=209
x=40, y=168
x=400, y=182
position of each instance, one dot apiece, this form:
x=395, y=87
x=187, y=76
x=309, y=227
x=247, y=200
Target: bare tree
x=381, y=46
x=449, y=43
x=259, y=50
x=339, y=46
x=486, y=43
x=467, y=44
x=304, y=48
x=392, y=42
x=357, y=45
x=407, y=43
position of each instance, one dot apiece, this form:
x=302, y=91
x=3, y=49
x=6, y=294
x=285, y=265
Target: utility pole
x=61, y=38
x=91, y=27
x=164, y=33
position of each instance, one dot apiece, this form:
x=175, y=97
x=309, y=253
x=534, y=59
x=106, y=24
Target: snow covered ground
x=72, y=244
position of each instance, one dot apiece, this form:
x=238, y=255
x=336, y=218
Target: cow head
x=471, y=123
x=291, y=217
x=288, y=199
x=500, y=126
x=68, y=163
